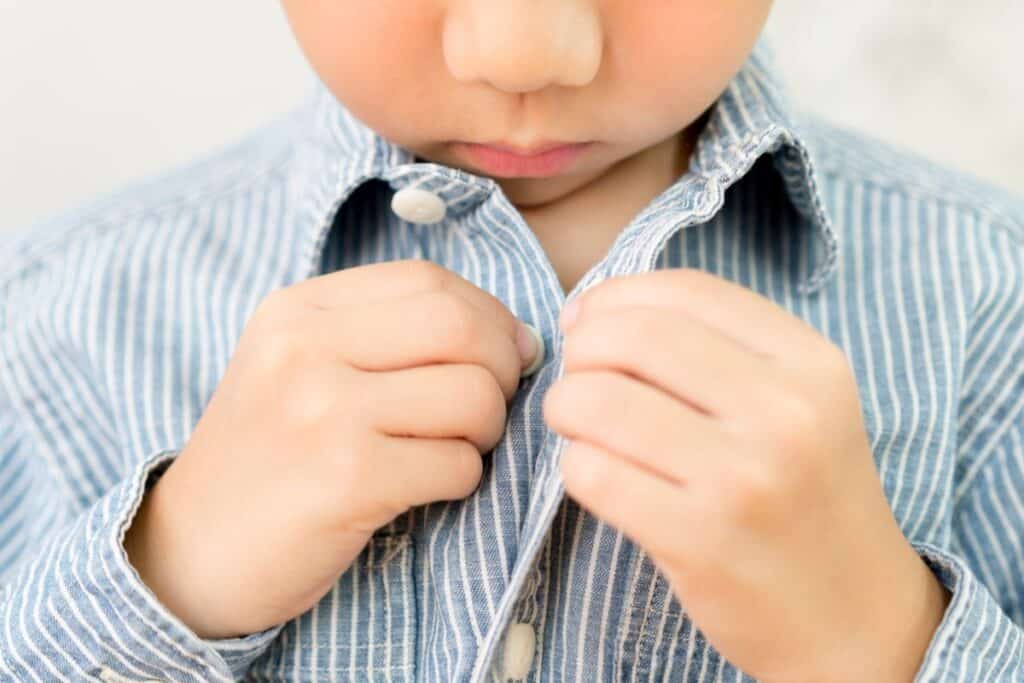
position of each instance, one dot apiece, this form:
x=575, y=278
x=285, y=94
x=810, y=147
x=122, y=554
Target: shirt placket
x=513, y=635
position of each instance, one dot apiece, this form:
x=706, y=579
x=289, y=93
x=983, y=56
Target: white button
x=539, y=358
x=520, y=645
x=418, y=206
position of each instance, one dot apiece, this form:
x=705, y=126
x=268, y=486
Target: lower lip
x=504, y=164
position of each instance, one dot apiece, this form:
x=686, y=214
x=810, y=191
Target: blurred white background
x=96, y=94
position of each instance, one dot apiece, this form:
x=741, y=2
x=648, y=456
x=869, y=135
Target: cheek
x=676, y=58
x=351, y=44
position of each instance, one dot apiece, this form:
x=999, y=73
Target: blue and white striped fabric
x=118, y=318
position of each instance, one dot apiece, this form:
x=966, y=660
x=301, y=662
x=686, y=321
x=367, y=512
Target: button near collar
x=416, y=205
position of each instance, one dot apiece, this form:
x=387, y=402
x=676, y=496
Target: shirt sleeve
x=980, y=639
x=71, y=605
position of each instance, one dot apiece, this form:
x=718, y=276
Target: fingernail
x=570, y=312
x=530, y=345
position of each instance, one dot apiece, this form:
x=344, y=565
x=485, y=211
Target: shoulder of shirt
x=29, y=253
x=849, y=156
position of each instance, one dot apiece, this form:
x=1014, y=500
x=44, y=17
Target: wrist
x=903, y=622
x=898, y=615
x=151, y=544
x=920, y=623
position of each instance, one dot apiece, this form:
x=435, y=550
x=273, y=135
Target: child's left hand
x=724, y=435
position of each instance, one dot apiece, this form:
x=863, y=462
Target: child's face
x=625, y=74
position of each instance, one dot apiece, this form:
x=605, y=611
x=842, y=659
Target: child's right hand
x=350, y=398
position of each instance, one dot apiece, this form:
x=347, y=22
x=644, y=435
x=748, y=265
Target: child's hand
x=350, y=398
x=724, y=435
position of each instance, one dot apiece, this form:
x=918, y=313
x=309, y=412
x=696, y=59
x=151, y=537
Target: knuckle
x=835, y=358
x=796, y=420
x=279, y=351
x=785, y=417
x=458, y=326
x=346, y=460
x=306, y=398
x=350, y=467
x=642, y=326
x=584, y=477
x=508, y=372
x=557, y=402
x=606, y=339
x=578, y=398
x=478, y=384
x=578, y=346
x=273, y=300
x=483, y=392
x=574, y=347
x=276, y=307
x=748, y=493
x=786, y=434
x=468, y=468
x=826, y=366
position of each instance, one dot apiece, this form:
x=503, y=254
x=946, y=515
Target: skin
x=317, y=435
x=706, y=445
x=636, y=77
x=633, y=77
x=741, y=464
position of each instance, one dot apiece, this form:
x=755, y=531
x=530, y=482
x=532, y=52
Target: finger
x=439, y=401
x=750, y=319
x=419, y=329
x=650, y=510
x=392, y=279
x=679, y=354
x=422, y=471
x=636, y=421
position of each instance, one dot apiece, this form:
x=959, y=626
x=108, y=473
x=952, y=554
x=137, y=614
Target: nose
x=523, y=45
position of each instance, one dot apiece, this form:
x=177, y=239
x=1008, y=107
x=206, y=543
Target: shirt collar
x=335, y=152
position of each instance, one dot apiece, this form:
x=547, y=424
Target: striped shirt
x=118, y=317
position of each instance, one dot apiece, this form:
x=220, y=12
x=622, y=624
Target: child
x=273, y=416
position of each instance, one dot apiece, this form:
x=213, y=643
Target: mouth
x=506, y=161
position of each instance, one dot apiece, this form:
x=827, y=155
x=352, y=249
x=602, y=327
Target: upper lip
x=532, y=150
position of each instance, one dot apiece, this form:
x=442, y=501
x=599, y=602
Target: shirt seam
x=999, y=220
x=976, y=468
x=839, y=154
